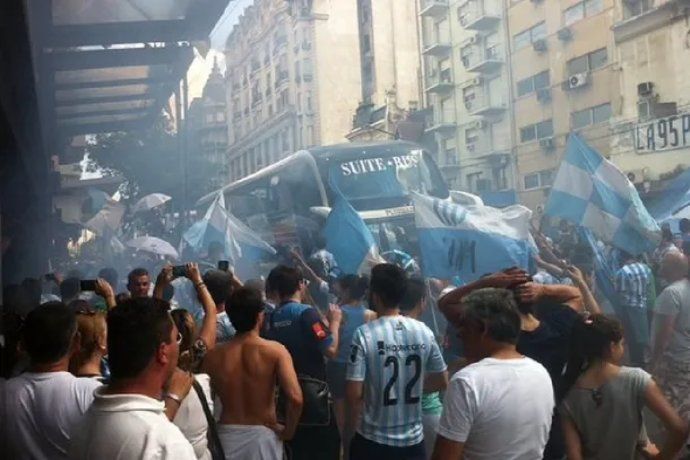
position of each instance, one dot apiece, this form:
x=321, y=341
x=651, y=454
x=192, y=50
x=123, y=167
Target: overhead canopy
x=109, y=65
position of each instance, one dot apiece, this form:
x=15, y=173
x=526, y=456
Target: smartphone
x=179, y=271
x=87, y=285
x=224, y=265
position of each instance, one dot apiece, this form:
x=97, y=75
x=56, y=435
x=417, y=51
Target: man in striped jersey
x=392, y=361
x=634, y=285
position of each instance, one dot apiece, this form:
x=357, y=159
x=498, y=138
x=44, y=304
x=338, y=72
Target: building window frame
x=538, y=179
x=533, y=83
x=530, y=35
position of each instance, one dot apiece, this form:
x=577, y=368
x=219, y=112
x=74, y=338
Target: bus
x=288, y=202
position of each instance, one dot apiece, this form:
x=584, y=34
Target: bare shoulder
x=273, y=348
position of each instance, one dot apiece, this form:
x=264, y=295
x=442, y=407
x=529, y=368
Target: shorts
x=335, y=376
x=362, y=448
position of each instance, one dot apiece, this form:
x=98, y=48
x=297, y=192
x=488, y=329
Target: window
x=220, y=116
x=632, y=9
x=471, y=138
x=536, y=131
x=593, y=7
x=572, y=15
x=533, y=83
x=531, y=35
x=592, y=115
x=539, y=179
x=588, y=62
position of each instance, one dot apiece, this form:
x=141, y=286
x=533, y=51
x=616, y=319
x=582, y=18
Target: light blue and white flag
x=218, y=225
x=470, y=240
x=350, y=240
x=592, y=192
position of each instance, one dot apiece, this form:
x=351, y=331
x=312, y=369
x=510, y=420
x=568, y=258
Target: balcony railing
x=484, y=60
x=434, y=8
x=485, y=105
x=437, y=46
x=440, y=82
x=479, y=14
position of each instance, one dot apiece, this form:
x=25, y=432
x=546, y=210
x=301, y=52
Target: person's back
x=44, y=406
x=510, y=405
x=398, y=351
x=42, y=411
x=609, y=419
x=243, y=372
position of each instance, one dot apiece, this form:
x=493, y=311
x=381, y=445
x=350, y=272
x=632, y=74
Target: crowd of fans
x=313, y=364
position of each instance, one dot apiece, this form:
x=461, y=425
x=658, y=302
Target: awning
x=109, y=65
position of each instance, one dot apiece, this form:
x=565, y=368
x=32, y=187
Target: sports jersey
x=392, y=355
x=300, y=329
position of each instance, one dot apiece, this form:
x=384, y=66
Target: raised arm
x=304, y=266
x=164, y=278
x=105, y=290
x=560, y=293
x=589, y=302
x=335, y=316
x=287, y=379
x=451, y=303
x=208, y=327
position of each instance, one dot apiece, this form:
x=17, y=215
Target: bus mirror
x=322, y=211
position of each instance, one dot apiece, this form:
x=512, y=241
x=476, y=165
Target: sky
x=201, y=67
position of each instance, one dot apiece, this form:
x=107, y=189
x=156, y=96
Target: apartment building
x=466, y=83
x=390, y=66
x=565, y=78
x=652, y=131
x=293, y=79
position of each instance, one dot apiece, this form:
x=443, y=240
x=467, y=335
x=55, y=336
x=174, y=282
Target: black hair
x=69, y=288
x=415, y=292
x=590, y=340
x=684, y=225
x=136, y=328
x=48, y=331
x=494, y=311
x=110, y=275
x=219, y=284
x=245, y=306
x=136, y=273
x=389, y=283
x=284, y=280
x=355, y=285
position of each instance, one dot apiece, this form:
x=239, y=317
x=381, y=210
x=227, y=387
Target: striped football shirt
x=392, y=355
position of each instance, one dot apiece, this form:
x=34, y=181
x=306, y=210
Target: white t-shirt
x=499, y=408
x=128, y=427
x=41, y=411
x=675, y=300
x=191, y=419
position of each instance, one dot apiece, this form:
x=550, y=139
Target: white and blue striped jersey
x=392, y=355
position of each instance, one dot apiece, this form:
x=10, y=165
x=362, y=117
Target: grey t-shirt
x=675, y=300
x=609, y=419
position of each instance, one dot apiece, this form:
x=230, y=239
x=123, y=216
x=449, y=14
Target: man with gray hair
x=476, y=421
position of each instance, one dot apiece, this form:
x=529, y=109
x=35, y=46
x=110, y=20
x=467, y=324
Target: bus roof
x=315, y=154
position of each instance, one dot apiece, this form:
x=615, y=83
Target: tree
x=150, y=162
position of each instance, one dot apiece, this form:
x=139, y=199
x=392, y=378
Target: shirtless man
x=243, y=373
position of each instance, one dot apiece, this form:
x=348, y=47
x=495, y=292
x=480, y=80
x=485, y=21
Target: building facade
x=565, y=79
x=293, y=79
x=390, y=67
x=208, y=132
x=651, y=134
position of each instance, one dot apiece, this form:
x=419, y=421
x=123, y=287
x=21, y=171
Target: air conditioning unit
x=547, y=143
x=578, y=80
x=544, y=94
x=645, y=89
x=645, y=110
x=565, y=34
x=481, y=124
x=539, y=45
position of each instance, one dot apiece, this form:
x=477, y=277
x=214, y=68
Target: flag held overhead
x=592, y=192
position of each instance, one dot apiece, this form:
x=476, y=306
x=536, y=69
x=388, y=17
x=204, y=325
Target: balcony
x=486, y=60
x=434, y=8
x=485, y=106
x=281, y=78
x=451, y=160
x=444, y=126
x=479, y=15
x=440, y=82
x=438, y=48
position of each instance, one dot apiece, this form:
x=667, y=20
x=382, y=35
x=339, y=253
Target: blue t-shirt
x=300, y=329
x=391, y=356
x=353, y=317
